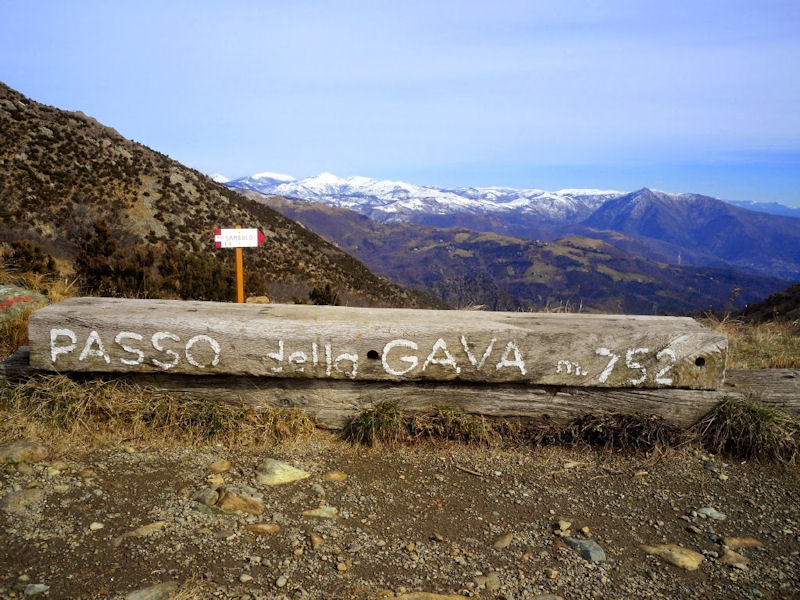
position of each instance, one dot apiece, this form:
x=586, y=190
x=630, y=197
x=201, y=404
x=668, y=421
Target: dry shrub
x=101, y=410
x=747, y=428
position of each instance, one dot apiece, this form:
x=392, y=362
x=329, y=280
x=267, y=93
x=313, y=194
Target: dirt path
x=450, y=520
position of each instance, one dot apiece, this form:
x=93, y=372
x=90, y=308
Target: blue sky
x=680, y=96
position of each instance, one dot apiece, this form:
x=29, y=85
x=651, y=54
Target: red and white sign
x=238, y=238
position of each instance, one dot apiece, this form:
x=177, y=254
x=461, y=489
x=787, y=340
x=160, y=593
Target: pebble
x=160, y=591
x=215, y=480
x=220, y=466
x=493, y=581
x=711, y=513
x=234, y=501
x=245, y=578
x=324, y=512
x=18, y=502
x=34, y=589
x=264, y=528
x=25, y=468
x=335, y=476
x=275, y=472
x=96, y=526
x=588, y=549
x=206, y=496
x=503, y=541
x=741, y=542
x=282, y=580
x=676, y=555
x=23, y=451
x=316, y=541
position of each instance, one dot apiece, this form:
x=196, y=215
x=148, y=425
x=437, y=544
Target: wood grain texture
x=360, y=344
x=334, y=403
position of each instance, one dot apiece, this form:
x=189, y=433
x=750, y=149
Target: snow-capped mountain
x=399, y=201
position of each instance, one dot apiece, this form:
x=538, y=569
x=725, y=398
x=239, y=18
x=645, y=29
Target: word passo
x=130, y=343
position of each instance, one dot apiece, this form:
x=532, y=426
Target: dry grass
x=772, y=345
x=611, y=431
x=747, y=428
x=55, y=287
x=95, y=413
x=386, y=423
x=742, y=428
x=14, y=332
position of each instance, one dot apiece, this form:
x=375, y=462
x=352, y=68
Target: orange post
x=239, y=274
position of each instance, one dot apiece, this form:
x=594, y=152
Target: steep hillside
x=756, y=242
x=781, y=306
x=68, y=183
x=466, y=267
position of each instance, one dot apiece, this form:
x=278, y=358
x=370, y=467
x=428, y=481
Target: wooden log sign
x=366, y=344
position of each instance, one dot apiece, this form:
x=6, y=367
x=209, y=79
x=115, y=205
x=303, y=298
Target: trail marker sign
x=238, y=238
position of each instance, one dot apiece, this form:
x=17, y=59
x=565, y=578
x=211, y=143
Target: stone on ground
x=160, y=591
x=676, y=555
x=276, y=472
x=22, y=451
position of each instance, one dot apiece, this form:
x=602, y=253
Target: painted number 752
x=666, y=358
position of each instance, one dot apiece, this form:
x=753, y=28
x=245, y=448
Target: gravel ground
x=443, y=520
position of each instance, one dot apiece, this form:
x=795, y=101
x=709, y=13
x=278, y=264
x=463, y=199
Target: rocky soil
x=450, y=521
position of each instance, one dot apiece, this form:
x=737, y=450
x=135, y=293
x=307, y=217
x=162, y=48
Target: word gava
x=130, y=343
x=399, y=357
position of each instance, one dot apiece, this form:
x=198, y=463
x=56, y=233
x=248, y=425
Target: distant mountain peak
x=219, y=178
x=270, y=175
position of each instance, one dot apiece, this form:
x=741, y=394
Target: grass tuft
x=455, y=425
x=747, y=428
x=381, y=424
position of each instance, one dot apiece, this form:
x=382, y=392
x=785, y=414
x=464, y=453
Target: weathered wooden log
x=334, y=403
x=359, y=344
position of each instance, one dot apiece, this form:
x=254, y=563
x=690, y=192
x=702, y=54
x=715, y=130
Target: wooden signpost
x=238, y=238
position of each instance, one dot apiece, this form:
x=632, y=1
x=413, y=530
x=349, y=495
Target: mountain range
x=465, y=268
x=675, y=228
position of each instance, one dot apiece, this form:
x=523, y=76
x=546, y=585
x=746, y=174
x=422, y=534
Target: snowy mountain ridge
x=385, y=200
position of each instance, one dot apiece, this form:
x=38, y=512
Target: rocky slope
x=62, y=173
